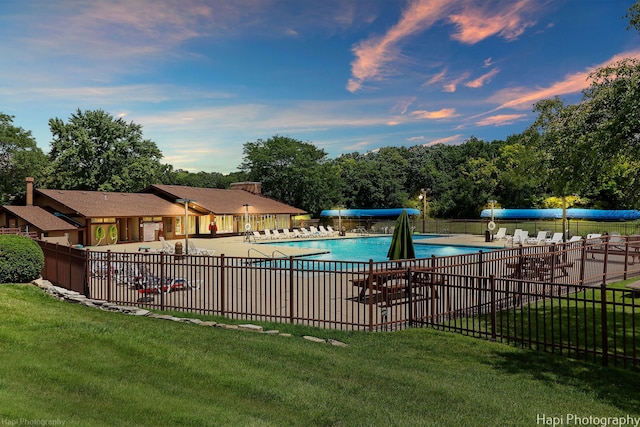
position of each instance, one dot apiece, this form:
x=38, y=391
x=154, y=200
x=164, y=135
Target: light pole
x=186, y=222
x=247, y=226
x=423, y=197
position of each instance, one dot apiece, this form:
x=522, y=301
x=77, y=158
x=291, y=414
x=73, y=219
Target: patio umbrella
x=402, y=243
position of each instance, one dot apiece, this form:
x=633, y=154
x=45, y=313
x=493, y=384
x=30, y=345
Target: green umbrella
x=402, y=242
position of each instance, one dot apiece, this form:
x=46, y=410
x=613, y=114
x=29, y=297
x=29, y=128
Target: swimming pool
x=375, y=248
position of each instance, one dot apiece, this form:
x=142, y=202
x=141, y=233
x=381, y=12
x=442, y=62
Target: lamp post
x=186, y=222
x=246, y=222
x=423, y=197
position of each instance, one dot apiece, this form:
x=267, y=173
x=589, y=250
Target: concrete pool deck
x=235, y=246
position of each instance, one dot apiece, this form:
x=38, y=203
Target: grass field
x=64, y=364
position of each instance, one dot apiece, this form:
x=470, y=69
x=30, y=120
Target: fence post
x=222, y=285
x=109, y=281
x=480, y=264
x=370, y=286
x=494, y=322
x=604, y=326
x=87, y=273
x=291, y=305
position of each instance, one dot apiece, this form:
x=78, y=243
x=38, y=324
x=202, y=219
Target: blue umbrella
x=402, y=243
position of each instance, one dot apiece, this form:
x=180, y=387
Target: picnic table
x=388, y=286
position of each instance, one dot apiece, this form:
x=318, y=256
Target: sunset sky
x=203, y=77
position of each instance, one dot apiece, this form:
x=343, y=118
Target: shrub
x=21, y=259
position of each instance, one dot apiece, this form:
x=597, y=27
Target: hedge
x=21, y=259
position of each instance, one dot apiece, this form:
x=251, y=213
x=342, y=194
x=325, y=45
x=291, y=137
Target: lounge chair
x=555, y=239
x=324, y=231
x=315, y=231
x=297, y=234
x=257, y=235
x=193, y=250
x=539, y=239
x=287, y=234
x=501, y=234
x=519, y=237
x=331, y=230
x=276, y=234
x=167, y=248
x=574, y=239
x=516, y=233
x=267, y=234
x=306, y=232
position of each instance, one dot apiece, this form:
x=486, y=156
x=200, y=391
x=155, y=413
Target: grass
x=82, y=366
x=575, y=320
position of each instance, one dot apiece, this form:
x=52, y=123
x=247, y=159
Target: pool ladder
x=265, y=255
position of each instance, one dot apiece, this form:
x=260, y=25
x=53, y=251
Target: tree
x=592, y=147
x=633, y=13
x=293, y=172
x=374, y=179
x=20, y=157
x=94, y=151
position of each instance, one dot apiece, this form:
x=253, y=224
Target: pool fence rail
x=554, y=298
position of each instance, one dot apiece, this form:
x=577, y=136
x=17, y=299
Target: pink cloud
x=475, y=24
x=480, y=81
x=373, y=55
x=451, y=140
x=500, y=120
x=444, y=113
x=521, y=98
x=437, y=78
x=452, y=86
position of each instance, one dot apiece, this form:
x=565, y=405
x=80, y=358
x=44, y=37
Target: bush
x=21, y=259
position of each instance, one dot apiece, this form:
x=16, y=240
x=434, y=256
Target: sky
x=203, y=77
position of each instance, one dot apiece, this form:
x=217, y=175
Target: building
x=93, y=218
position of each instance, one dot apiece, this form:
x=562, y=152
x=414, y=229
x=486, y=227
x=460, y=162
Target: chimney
x=29, y=191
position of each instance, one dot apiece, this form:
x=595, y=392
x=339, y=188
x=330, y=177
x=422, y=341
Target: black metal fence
x=550, y=297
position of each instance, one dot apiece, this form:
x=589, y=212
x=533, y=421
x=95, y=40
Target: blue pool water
x=375, y=248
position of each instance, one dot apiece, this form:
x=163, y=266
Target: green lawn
x=61, y=362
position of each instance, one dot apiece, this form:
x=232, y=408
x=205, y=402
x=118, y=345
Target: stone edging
x=67, y=295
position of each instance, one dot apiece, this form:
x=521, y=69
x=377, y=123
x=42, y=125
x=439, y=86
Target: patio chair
x=324, y=231
x=501, y=234
x=539, y=239
x=193, y=250
x=516, y=233
x=556, y=238
x=167, y=248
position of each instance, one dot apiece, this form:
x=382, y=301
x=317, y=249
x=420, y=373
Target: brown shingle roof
x=95, y=204
x=225, y=201
x=39, y=218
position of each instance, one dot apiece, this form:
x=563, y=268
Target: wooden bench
x=628, y=248
x=634, y=253
x=539, y=268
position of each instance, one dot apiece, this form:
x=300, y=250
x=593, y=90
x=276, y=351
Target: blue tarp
x=369, y=213
x=573, y=213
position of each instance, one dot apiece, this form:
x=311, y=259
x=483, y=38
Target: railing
x=505, y=295
x=18, y=231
